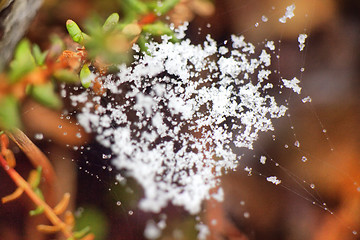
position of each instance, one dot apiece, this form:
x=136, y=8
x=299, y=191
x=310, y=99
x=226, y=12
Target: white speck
x=262, y=159
x=136, y=48
x=219, y=196
x=249, y=170
x=288, y=14
x=63, y=93
x=39, y=136
x=118, y=203
x=270, y=45
x=358, y=189
x=203, y=231
x=264, y=18
x=274, y=180
x=306, y=99
x=246, y=214
x=152, y=231
x=324, y=130
x=297, y=143
x=312, y=186
x=304, y=159
x=242, y=203
x=286, y=146
x=292, y=84
x=256, y=24
x=130, y=213
x=354, y=232
x=301, y=39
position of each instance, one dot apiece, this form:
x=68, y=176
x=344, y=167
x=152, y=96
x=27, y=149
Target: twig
x=36, y=156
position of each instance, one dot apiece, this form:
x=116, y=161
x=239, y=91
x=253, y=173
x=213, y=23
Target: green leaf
x=85, y=74
x=135, y=5
x=39, y=210
x=9, y=113
x=165, y=6
x=96, y=220
x=111, y=22
x=66, y=76
x=158, y=29
x=45, y=95
x=38, y=55
x=82, y=232
x=74, y=31
x=37, y=180
x=142, y=44
x=23, y=61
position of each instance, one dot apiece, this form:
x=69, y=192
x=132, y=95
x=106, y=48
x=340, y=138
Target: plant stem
x=21, y=183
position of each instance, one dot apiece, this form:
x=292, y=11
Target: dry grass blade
x=36, y=157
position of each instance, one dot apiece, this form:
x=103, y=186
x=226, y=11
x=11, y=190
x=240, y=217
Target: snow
x=306, y=99
x=292, y=84
x=274, y=180
x=288, y=14
x=270, y=45
x=301, y=39
x=203, y=231
x=152, y=231
x=181, y=114
x=262, y=159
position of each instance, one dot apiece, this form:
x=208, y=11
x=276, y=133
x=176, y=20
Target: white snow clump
x=301, y=39
x=288, y=14
x=174, y=117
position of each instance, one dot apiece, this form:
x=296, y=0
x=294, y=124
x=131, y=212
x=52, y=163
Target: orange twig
x=21, y=183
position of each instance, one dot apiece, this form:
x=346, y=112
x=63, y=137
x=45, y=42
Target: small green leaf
x=111, y=22
x=39, y=210
x=165, y=6
x=158, y=29
x=74, y=31
x=82, y=232
x=37, y=180
x=66, y=76
x=23, y=62
x=142, y=44
x=38, y=55
x=39, y=193
x=94, y=219
x=85, y=75
x=45, y=95
x=9, y=113
x=135, y=5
